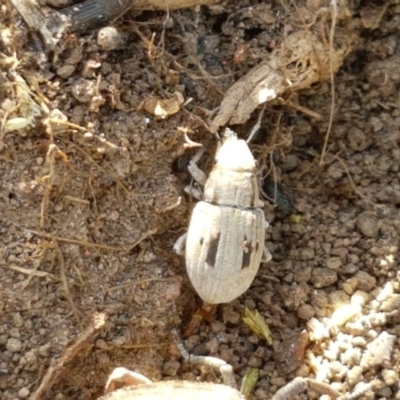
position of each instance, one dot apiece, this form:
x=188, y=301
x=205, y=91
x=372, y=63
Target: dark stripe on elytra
x=247, y=252
x=253, y=191
x=213, y=251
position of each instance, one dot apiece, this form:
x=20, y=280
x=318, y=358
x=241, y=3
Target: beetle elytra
x=224, y=244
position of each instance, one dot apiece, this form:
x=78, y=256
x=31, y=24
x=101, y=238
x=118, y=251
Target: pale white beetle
x=224, y=244
x=136, y=386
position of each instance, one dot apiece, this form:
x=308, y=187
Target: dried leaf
x=163, y=108
x=249, y=382
x=17, y=123
x=256, y=322
x=296, y=218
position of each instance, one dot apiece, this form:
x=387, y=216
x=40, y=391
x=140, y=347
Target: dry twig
x=57, y=366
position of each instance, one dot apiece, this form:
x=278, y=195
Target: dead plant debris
x=91, y=192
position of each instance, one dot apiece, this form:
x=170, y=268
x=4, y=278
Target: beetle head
x=234, y=154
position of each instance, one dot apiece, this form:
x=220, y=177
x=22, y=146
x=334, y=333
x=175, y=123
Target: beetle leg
x=180, y=245
x=194, y=324
x=266, y=255
x=198, y=175
x=361, y=389
x=205, y=311
x=192, y=191
x=299, y=385
x=225, y=369
x=122, y=377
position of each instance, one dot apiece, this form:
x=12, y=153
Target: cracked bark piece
x=32, y=15
x=303, y=59
x=91, y=13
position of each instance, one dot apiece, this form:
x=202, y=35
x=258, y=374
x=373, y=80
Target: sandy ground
x=92, y=201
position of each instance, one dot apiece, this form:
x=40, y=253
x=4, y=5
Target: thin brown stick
x=64, y=281
x=78, y=242
x=133, y=284
x=57, y=366
x=330, y=123
x=136, y=346
x=344, y=166
x=112, y=174
x=145, y=235
x=28, y=271
x=304, y=110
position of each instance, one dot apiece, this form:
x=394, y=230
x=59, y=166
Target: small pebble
x=318, y=330
x=391, y=304
x=109, y=38
x=218, y=326
x=357, y=139
x=344, y=314
x=255, y=362
x=323, y=277
x=290, y=162
x=319, y=298
x=303, y=371
x=368, y=225
x=65, y=71
x=354, y=375
x=334, y=263
x=386, y=293
x=390, y=376
x=103, y=358
x=101, y=344
x=290, y=353
x=230, y=315
x=83, y=90
x=171, y=368
x=379, y=350
x=305, y=311
x=355, y=328
x=385, y=393
x=74, y=56
x=212, y=346
x=277, y=381
x=15, y=333
x=119, y=341
x=14, y=345
x=350, y=286
x=332, y=352
x=360, y=297
x=338, y=298
x=377, y=319
x=337, y=371
x=351, y=357
x=18, y=320
x=325, y=397
x=359, y=341
x=307, y=254
x=24, y=392
x=365, y=281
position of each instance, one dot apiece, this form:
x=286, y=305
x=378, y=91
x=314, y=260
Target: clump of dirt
x=92, y=194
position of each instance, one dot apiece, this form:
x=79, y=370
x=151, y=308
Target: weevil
x=124, y=384
x=139, y=387
x=224, y=244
